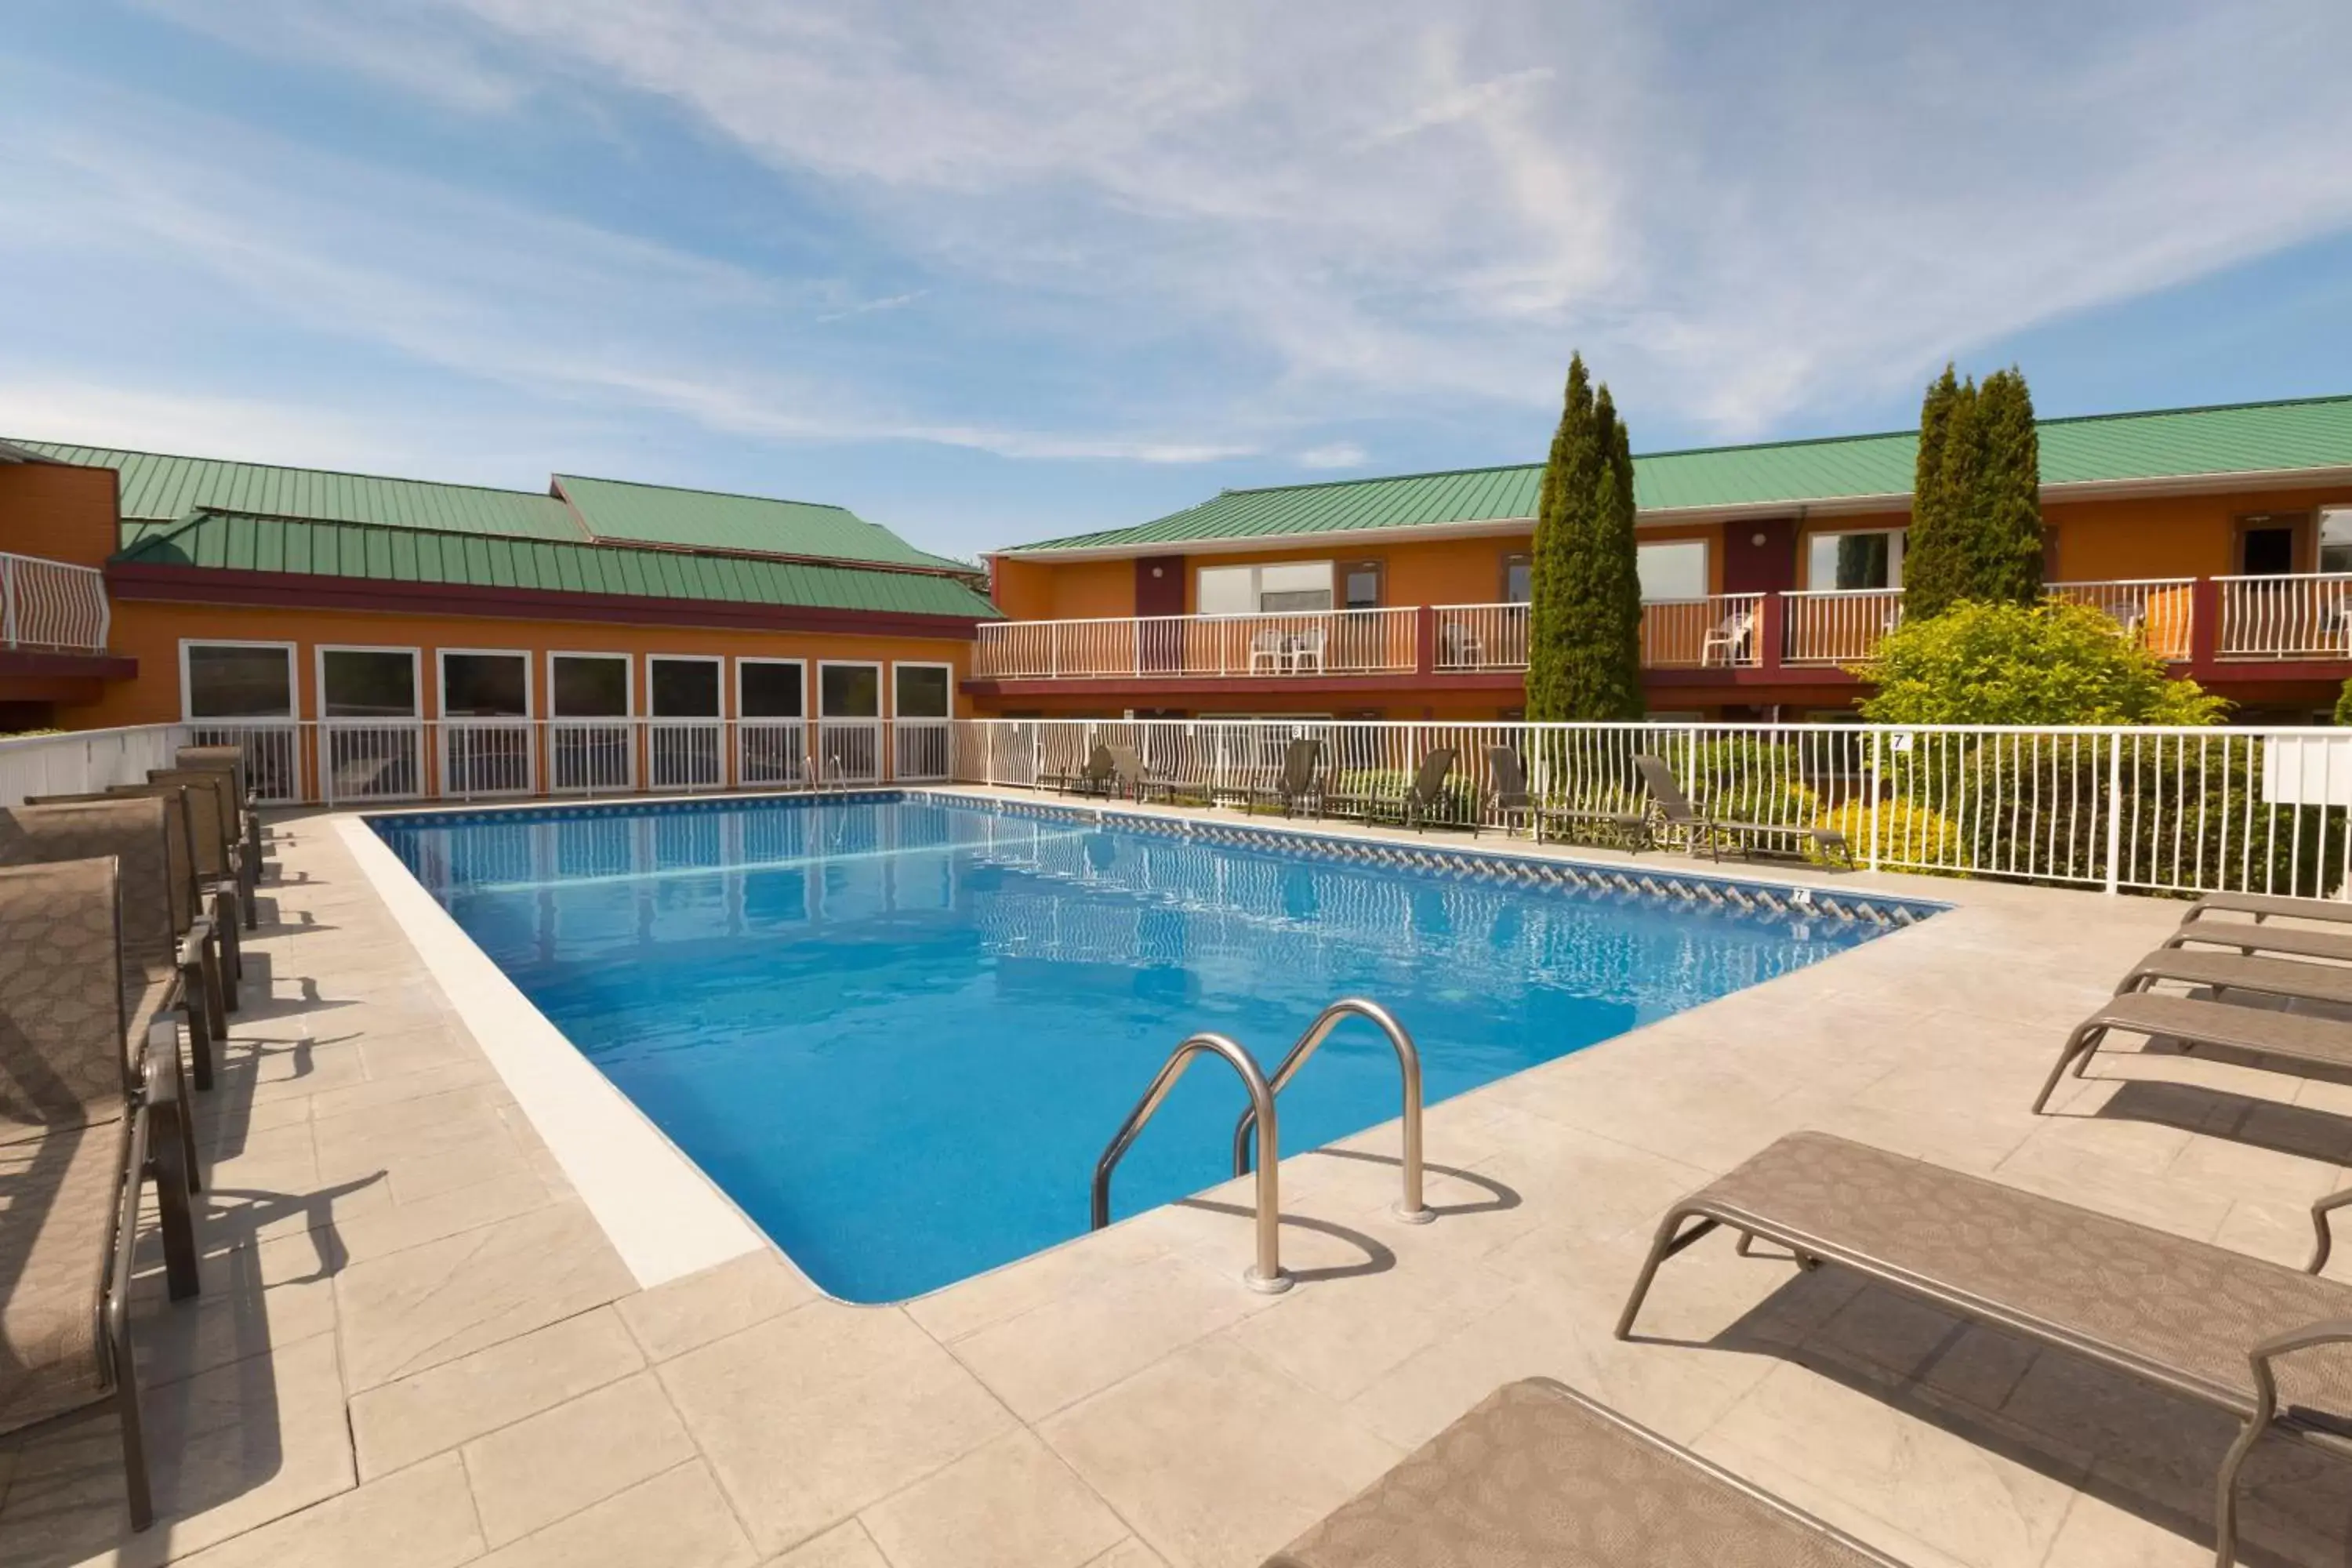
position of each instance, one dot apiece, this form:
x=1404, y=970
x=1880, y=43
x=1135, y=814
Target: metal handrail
x=1264, y=1275
x=1409, y=1207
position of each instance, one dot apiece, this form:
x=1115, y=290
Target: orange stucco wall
x=151, y=632
x=57, y=511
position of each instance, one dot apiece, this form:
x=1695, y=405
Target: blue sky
x=994, y=273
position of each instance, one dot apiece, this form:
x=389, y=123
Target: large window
x=2336, y=539
x=236, y=680
x=921, y=691
x=1291, y=586
x=683, y=687
x=1872, y=559
x=588, y=684
x=1518, y=578
x=771, y=688
x=1673, y=569
x=1362, y=581
x=849, y=690
x=485, y=685
x=367, y=683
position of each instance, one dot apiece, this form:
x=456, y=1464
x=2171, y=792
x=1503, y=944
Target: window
x=922, y=690
x=1361, y=580
x=367, y=683
x=1674, y=570
x=849, y=690
x=1283, y=588
x=1518, y=578
x=589, y=685
x=485, y=685
x=1872, y=559
x=2266, y=545
x=769, y=687
x=238, y=681
x=2336, y=539
x=682, y=688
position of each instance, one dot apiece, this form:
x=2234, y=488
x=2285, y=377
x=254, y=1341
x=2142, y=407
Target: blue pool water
x=899, y=1031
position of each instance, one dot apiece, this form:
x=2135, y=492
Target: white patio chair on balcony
x=1269, y=649
x=1463, y=647
x=1306, y=651
x=1730, y=637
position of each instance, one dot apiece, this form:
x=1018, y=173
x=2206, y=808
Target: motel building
x=380, y=639
x=2222, y=537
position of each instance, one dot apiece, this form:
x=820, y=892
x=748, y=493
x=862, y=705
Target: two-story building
x=2222, y=536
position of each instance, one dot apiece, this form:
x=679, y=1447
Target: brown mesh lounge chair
x=1508, y=798
x=192, y=921
x=1301, y=783
x=2297, y=1037
x=2265, y=906
x=2228, y=971
x=210, y=852
x=1096, y=778
x=1425, y=799
x=89, y=1109
x=1536, y=1473
x=2296, y=942
x=1132, y=779
x=2269, y=1345
x=247, y=820
x=1712, y=832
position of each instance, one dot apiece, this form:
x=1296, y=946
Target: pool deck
x=416, y=1346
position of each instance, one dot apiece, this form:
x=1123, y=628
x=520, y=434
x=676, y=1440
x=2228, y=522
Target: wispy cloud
x=870, y=307
x=1335, y=455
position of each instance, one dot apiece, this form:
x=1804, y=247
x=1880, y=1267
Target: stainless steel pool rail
x=1409, y=1207
x=1264, y=1275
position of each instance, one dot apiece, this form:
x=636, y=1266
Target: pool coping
x=664, y=1215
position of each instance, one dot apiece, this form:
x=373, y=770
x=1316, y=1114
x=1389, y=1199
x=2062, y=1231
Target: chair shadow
x=2271, y=1124
x=1378, y=1258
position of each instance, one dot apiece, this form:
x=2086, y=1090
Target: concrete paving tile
x=1216, y=1458
x=419, y=1517
x=385, y=1225
x=377, y=1093
x=1129, y=1554
x=410, y=1051
x=405, y=1311
x=992, y=1298
x=677, y=1520
x=673, y=1318
x=1011, y=1504
x=554, y=1464
x=250, y=1298
x=845, y=1545
x=394, y=1424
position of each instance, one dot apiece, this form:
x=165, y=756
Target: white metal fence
x=2305, y=616
x=2157, y=810
x=51, y=604
x=1721, y=631
x=1306, y=642
x=1481, y=637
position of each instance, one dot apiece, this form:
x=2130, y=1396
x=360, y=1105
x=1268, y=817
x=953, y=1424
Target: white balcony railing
x=1838, y=625
x=1475, y=637
x=1722, y=631
x=2156, y=610
x=1311, y=642
x=51, y=606
x=2305, y=617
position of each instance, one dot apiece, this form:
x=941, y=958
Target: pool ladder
x=1265, y=1273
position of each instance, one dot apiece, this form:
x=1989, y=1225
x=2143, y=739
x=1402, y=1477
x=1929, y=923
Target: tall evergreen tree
x=1976, y=511
x=1931, y=551
x=1585, y=634
x=2006, y=544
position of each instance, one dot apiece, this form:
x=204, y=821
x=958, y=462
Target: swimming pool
x=897, y=1030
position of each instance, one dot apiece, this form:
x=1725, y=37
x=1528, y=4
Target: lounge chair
x=211, y=855
x=246, y=819
x=2297, y=1037
x=1131, y=778
x=1713, y=833
x=1301, y=781
x=2263, y=906
x=1536, y=1473
x=2227, y=971
x=85, y=1116
x=1096, y=778
x=1508, y=798
x=2269, y=1345
x=1424, y=798
x=193, y=919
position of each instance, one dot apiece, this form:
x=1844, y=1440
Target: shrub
x=1746, y=779
x=1911, y=838
x=2048, y=664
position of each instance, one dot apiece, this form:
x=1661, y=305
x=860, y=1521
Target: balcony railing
x=2301, y=617
x=1472, y=639
x=2159, y=610
x=1309, y=642
x=51, y=606
x=1837, y=626
x=1723, y=631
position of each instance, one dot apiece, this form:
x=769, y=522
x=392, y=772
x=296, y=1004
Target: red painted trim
x=1170, y=686
x=292, y=590
x=42, y=664
x=1774, y=675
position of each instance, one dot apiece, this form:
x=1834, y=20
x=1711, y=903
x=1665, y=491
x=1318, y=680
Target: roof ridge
x=723, y=495
x=1358, y=479
x=284, y=468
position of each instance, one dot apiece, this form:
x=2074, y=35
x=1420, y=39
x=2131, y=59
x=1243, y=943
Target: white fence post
x=1877, y=783
x=2115, y=811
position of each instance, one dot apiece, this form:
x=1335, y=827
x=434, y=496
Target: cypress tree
x=1584, y=633
x=1934, y=571
x=2006, y=544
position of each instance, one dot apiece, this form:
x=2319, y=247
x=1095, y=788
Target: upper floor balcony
x=51, y=606
x=1744, y=638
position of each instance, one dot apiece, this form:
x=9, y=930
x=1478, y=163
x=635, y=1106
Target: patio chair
x=1132, y=779
x=246, y=819
x=2268, y=1345
x=210, y=854
x=161, y=970
x=1305, y=649
x=1536, y=1473
x=1096, y=778
x=1424, y=798
x=1301, y=779
x=2249, y=938
x=1714, y=832
x=1729, y=638
x=1507, y=798
x=1464, y=649
x=86, y=1116
x=192, y=919
x=2282, y=1037
x=2222, y=973
x=2263, y=906
x=1270, y=648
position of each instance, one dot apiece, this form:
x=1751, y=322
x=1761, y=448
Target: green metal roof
x=712, y=520
x=242, y=542
x=2240, y=439
x=159, y=489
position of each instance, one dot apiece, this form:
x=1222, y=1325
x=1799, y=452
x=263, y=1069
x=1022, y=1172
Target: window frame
x=441, y=687
x=741, y=660
x=718, y=686
x=415, y=679
x=1503, y=565
x=1706, y=548
x=942, y=665
x=628, y=681
x=881, y=689
x=1898, y=547
x=1342, y=570
x=1258, y=570
x=293, y=715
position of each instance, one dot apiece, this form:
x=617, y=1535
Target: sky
x=988, y=273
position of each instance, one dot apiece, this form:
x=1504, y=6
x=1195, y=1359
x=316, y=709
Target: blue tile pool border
x=1448, y=859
